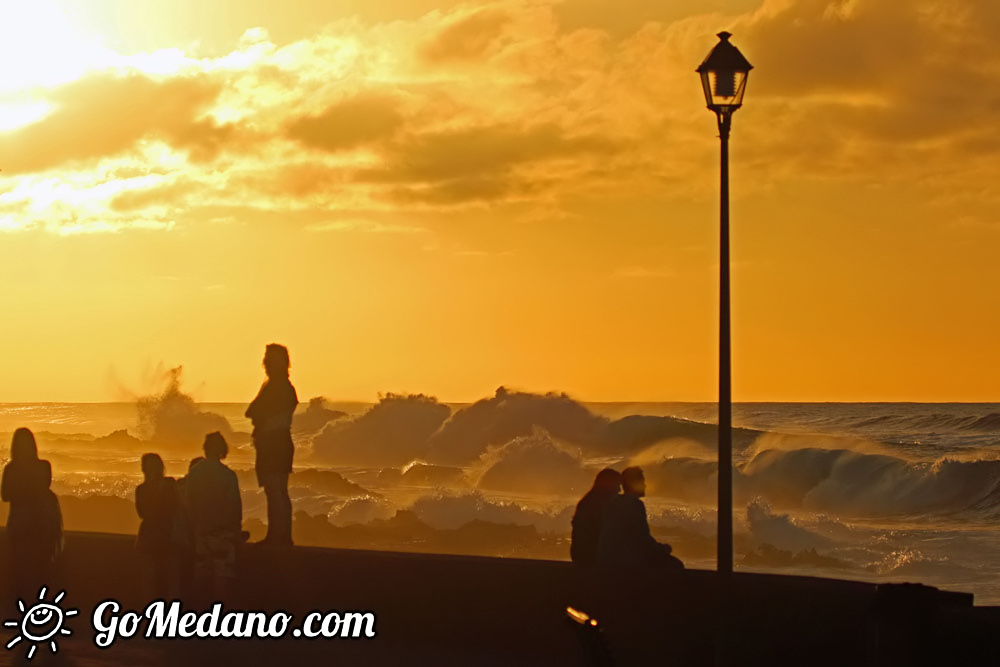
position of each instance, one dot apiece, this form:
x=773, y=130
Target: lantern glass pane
x=724, y=89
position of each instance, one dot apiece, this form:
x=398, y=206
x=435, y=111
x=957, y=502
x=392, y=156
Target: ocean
x=867, y=491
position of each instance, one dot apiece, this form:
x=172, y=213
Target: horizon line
x=373, y=401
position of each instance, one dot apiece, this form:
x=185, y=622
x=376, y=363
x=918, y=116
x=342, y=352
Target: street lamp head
x=724, y=76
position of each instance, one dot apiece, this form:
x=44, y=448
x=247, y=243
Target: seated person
x=625, y=539
x=589, y=515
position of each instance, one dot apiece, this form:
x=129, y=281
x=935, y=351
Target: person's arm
x=637, y=523
x=239, y=510
x=235, y=502
x=253, y=410
x=46, y=473
x=172, y=496
x=5, y=485
x=140, y=501
x=651, y=544
x=275, y=407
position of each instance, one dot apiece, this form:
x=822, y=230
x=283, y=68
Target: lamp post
x=724, y=78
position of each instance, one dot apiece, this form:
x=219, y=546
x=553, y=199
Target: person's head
x=276, y=361
x=608, y=481
x=152, y=466
x=215, y=446
x=633, y=481
x=23, y=446
x=195, y=461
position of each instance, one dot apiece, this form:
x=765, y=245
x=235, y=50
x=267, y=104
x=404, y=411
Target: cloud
x=364, y=226
x=172, y=193
x=104, y=114
x=484, y=163
x=515, y=102
x=467, y=38
x=105, y=227
x=873, y=85
x=484, y=151
x=386, y=121
x=349, y=123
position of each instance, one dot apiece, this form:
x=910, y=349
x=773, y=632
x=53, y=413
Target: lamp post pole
x=724, y=541
x=724, y=77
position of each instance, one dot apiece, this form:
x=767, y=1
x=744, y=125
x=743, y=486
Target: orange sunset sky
x=437, y=196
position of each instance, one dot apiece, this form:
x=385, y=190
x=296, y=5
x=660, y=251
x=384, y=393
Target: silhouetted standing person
x=161, y=531
x=34, y=525
x=589, y=515
x=212, y=492
x=626, y=540
x=271, y=414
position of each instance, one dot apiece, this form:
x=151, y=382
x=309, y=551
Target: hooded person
x=589, y=515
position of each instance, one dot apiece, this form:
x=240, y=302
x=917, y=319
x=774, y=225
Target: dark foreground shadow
x=458, y=610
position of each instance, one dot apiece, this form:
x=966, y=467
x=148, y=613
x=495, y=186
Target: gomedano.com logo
x=43, y=622
x=163, y=620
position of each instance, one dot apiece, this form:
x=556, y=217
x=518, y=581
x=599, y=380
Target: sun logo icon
x=41, y=623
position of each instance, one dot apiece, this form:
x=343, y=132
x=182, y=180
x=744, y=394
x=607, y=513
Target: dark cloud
x=625, y=17
x=810, y=46
x=880, y=71
x=468, y=38
x=349, y=123
x=103, y=114
x=481, y=163
x=306, y=179
x=484, y=151
x=461, y=190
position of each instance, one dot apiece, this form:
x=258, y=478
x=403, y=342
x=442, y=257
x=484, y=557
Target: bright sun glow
x=39, y=47
x=45, y=45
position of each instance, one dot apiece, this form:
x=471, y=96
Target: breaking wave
x=534, y=464
x=933, y=423
x=393, y=432
x=173, y=418
x=445, y=511
x=401, y=428
x=862, y=484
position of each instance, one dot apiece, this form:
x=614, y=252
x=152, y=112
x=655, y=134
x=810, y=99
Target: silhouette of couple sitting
x=610, y=529
x=190, y=527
